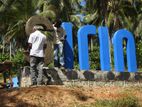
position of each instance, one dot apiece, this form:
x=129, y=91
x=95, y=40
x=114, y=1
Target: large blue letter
x=104, y=48
x=68, y=46
x=83, y=45
x=118, y=51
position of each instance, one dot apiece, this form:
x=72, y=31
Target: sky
x=83, y=3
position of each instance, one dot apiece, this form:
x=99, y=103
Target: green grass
x=129, y=101
x=124, y=102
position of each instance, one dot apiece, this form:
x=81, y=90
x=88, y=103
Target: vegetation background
x=115, y=14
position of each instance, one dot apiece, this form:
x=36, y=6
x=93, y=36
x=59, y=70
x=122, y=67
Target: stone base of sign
x=67, y=75
x=56, y=76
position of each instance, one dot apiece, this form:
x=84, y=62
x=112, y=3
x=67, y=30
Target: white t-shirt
x=37, y=39
x=57, y=41
x=59, y=33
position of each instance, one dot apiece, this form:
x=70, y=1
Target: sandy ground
x=64, y=96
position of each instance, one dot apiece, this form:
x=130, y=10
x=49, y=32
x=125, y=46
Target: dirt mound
x=61, y=96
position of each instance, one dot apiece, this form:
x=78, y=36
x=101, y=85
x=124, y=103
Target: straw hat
x=37, y=20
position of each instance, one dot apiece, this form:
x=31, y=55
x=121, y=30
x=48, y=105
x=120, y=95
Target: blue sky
x=83, y=3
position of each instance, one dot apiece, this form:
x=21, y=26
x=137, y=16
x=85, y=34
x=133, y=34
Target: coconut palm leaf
x=17, y=16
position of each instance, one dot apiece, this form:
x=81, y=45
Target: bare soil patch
x=62, y=96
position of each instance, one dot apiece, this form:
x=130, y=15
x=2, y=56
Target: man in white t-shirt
x=37, y=45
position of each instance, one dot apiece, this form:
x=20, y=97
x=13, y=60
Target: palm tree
x=5, y=5
x=17, y=16
x=4, y=21
x=115, y=14
x=67, y=10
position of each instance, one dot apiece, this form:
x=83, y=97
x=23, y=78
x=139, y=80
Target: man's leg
x=61, y=55
x=56, y=62
x=33, y=70
x=40, y=71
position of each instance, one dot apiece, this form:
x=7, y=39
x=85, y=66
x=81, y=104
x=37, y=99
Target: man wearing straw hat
x=37, y=45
